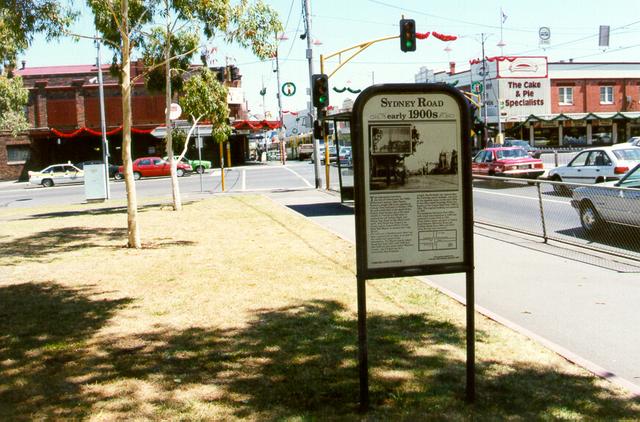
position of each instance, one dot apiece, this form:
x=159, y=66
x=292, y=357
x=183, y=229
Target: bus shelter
x=341, y=125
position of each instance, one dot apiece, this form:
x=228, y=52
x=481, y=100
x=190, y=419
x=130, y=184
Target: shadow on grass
x=43, y=331
x=287, y=363
x=43, y=245
x=95, y=211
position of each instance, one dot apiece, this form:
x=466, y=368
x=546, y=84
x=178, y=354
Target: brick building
x=555, y=103
x=64, y=114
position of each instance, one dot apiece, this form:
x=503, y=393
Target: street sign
x=477, y=87
x=412, y=146
x=544, y=33
x=288, y=89
x=175, y=111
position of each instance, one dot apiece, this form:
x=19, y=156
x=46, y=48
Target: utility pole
x=316, y=150
x=280, y=118
x=485, y=132
x=103, y=128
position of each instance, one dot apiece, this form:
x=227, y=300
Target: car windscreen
x=632, y=179
x=511, y=153
x=630, y=154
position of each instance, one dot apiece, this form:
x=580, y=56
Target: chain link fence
x=602, y=218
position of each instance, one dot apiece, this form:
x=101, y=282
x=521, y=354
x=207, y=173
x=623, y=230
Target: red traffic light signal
x=320, y=90
x=407, y=35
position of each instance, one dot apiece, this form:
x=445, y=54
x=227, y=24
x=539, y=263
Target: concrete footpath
x=580, y=304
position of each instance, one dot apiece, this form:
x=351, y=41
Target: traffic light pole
x=316, y=150
x=321, y=111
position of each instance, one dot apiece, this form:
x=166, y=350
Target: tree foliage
x=206, y=98
x=13, y=99
x=20, y=20
x=154, y=51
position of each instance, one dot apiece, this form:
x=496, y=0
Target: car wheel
x=558, y=188
x=200, y=169
x=589, y=218
x=47, y=183
x=180, y=172
x=136, y=175
x=118, y=176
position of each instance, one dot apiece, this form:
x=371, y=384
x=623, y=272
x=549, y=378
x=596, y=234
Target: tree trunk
x=175, y=186
x=132, y=201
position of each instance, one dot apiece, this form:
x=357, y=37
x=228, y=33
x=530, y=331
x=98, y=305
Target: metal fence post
x=544, y=226
x=555, y=157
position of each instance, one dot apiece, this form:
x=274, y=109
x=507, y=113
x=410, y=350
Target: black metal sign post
x=413, y=196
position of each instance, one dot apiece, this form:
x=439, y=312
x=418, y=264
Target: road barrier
x=597, y=217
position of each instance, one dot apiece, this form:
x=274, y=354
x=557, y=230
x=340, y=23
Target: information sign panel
x=413, y=181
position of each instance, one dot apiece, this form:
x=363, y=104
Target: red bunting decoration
x=443, y=37
x=422, y=36
x=82, y=130
x=256, y=124
x=294, y=113
x=494, y=59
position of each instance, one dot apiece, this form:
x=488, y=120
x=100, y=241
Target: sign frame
x=289, y=93
x=464, y=197
x=360, y=178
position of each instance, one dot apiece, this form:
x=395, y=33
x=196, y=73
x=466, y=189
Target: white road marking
x=299, y=176
x=490, y=192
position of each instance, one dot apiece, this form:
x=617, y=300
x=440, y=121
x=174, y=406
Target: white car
x=596, y=165
x=634, y=140
x=56, y=174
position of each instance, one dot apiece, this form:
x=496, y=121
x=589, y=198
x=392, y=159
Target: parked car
x=305, y=151
x=113, y=168
x=56, y=174
x=603, y=204
x=199, y=166
x=634, y=140
x=534, y=152
x=572, y=141
x=153, y=166
x=506, y=162
x=333, y=154
x=596, y=165
x=541, y=141
x=345, y=156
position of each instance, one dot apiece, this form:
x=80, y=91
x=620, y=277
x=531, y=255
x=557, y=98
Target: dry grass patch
x=238, y=309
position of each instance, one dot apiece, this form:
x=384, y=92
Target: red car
x=506, y=162
x=153, y=166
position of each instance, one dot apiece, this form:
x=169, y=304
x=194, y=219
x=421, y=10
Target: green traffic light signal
x=320, y=90
x=407, y=35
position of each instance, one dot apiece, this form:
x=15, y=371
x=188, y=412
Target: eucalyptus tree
x=204, y=98
x=251, y=25
x=124, y=24
x=20, y=20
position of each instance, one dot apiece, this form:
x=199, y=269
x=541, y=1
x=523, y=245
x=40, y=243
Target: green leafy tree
x=20, y=20
x=13, y=99
x=122, y=23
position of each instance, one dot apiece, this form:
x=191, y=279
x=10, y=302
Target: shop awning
x=616, y=115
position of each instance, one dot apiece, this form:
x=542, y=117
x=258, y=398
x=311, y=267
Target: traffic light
x=320, y=90
x=407, y=35
x=318, y=133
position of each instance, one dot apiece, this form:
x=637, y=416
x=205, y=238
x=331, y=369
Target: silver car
x=616, y=202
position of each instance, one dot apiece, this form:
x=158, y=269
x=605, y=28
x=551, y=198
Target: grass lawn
x=239, y=309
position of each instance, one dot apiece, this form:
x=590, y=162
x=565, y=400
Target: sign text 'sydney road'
x=419, y=108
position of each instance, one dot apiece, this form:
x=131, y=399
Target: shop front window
x=606, y=95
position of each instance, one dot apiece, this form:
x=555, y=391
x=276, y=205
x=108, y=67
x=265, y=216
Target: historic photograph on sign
x=413, y=157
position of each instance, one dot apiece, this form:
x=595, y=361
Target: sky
x=340, y=24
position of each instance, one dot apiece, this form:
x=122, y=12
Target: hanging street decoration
x=341, y=90
x=263, y=91
x=83, y=130
x=294, y=113
x=441, y=37
x=288, y=89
